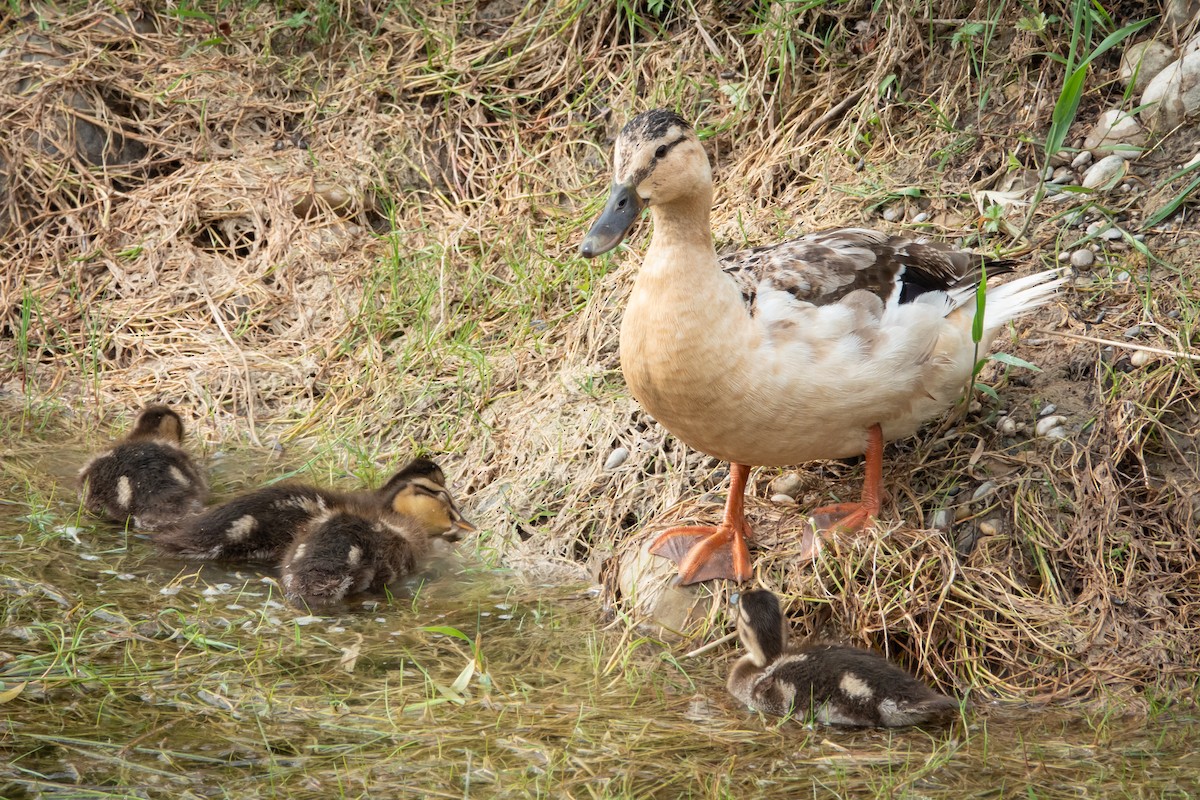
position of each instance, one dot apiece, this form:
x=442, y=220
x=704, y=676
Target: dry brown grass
x=369, y=239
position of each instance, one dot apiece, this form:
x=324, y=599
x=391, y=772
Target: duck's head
x=657, y=160
x=419, y=492
x=761, y=626
x=157, y=422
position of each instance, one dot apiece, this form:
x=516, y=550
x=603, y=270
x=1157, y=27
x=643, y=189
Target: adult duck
x=820, y=347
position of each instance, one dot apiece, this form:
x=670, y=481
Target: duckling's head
x=419, y=493
x=658, y=160
x=157, y=422
x=760, y=626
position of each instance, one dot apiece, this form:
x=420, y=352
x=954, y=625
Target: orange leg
x=850, y=517
x=704, y=552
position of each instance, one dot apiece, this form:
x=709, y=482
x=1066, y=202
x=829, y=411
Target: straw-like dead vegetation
x=360, y=229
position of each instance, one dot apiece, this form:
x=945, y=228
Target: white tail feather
x=1008, y=301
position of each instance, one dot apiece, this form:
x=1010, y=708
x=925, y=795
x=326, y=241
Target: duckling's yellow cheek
x=428, y=511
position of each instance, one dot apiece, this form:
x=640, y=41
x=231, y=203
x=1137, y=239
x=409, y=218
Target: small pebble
x=169, y=591
x=1113, y=234
x=985, y=488
x=1081, y=160
x=1007, y=426
x=962, y=513
x=1134, y=332
x=1123, y=276
x=1082, y=258
x=616, y=458
x=1057, y=432
x=989, y=527
x=788, y=483
x=942, y=519
x=891, y=213
x=1104, y=173
x=1140, y=358
x=1064, y=256
x=1094, y=228
x=1047, y=410
x=919, y=218
x=1047, y=424
x=1063, y=175
x=783, y=500
x=1048, y=173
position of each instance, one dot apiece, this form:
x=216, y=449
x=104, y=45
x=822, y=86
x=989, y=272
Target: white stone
x=985, y=489
x=1047, y=424
x=1081, y=160
x=1178, y=13
x=788, y=483
x=1007, y=426
x=1104, y=173
x=1147, y=58
x=989, y=527
x=1116, y=133
x=1082, y=258
x=783, y=500
x=1140, y=358
x=1173, y=94
x=616, y=458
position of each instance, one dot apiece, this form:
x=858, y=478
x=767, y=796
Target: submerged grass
x=125, y=675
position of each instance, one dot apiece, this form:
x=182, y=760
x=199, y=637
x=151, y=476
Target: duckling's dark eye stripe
x=427, y=487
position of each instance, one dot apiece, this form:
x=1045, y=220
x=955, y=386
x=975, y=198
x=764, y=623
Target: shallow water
x=129, y=675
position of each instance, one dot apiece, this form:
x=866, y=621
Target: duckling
x=819, y=347
x=359, y=546
x=147, y=478
x=261, y=524
x=832, y=684
x=256, y=526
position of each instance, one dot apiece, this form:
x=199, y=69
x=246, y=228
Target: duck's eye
x=661, y=152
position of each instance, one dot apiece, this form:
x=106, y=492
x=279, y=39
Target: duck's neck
x=682, y=239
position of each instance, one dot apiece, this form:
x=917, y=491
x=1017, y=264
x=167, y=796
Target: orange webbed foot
x=828, y=521
x=705, y=552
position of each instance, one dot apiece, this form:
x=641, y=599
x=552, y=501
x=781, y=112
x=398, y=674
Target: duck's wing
x=823, y=268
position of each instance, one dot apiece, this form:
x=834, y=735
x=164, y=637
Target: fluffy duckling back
x=147, y=477
x=256, y=526
x=362, y=546
x=832, y=684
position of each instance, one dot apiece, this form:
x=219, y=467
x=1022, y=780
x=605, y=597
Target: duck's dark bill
x=620, y=212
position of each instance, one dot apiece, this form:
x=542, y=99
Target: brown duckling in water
x=147, y=478
x=256, y=526
x=357, y=547
x=831, y=684
x=259, y=525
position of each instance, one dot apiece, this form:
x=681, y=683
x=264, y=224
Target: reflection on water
x=128, y=674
